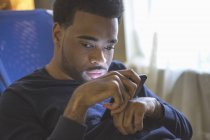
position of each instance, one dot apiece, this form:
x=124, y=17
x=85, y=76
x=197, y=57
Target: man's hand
x=130, y=120
x=120, y=85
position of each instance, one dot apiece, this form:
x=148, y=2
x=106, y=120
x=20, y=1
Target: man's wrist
x=75, y=112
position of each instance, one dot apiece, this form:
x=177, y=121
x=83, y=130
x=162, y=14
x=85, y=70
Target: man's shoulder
x=39, y=81
x=38, y=76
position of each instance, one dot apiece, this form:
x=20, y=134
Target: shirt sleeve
x=173, y=120
x=67, y=129
x=18, y=121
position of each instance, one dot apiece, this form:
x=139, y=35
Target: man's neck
x=56, y=72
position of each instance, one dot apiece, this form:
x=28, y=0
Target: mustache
x=97, y=68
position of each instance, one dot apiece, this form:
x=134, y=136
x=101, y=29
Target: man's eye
x=110, y=47
x=87, y=45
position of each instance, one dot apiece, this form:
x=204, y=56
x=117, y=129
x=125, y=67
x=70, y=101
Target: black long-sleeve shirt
x=32, y=108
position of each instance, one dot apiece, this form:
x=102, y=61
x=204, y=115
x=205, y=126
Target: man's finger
x=138, y=121
x=118, y=122
x=131, y=74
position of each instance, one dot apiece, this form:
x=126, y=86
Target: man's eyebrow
x=95, y=39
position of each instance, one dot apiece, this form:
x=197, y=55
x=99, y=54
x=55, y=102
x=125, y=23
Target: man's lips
x=95, y=73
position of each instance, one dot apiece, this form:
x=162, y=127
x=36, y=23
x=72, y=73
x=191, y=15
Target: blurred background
x=25, y=4
x=169, y=40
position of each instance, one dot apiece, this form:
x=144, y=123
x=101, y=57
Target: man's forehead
x=87, y=37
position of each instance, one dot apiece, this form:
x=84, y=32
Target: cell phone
x=143, y=79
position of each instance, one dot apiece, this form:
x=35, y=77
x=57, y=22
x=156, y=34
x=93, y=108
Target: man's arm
x=68, y=129
x=19, y=121
x=148, y=112
x=172, y=119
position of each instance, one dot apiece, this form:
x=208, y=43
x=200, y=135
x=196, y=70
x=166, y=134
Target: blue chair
x=25, y=43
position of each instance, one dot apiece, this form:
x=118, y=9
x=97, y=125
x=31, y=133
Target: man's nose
x=97, y=56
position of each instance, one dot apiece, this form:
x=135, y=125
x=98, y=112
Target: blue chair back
x=25, y=43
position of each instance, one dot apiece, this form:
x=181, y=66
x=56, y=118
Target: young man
x=67, y=99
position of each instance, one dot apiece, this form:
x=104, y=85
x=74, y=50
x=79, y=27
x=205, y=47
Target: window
x=176, y=32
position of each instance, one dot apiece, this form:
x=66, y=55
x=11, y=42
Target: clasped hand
x=128, y=113
x=130, y=120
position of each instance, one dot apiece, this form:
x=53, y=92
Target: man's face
x=87, y=46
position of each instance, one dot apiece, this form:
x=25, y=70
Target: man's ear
x=57, y=34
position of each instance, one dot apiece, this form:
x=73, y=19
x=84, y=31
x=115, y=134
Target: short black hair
x=64, y=10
